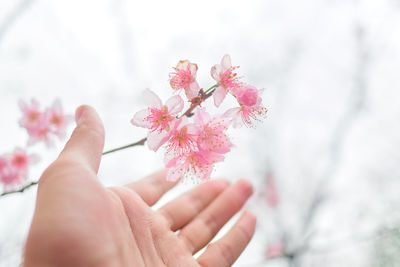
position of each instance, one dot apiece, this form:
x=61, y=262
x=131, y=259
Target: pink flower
x=226, y=79
x=31, y=117
x=41, y=132
x=248, y=96
x=3, y=163
x=183, y=138
x=184, y=77
x=275, y=250
x=40, y=125
x=14, y=167
x=20, y=160
x=197, y=163
x=271, y=193
x=58, y=121
x=194, y=148
x=212, y=135
x=158, y=118
x=10, y=177
x=247, y=113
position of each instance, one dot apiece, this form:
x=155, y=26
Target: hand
x=78, y=222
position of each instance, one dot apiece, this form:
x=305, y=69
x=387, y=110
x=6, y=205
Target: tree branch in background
x=13, y=17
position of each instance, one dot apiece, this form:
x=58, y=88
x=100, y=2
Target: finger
x=205, y=226
x=225, y=251
x=182, y=210
x=87, y=140
x=153, y=187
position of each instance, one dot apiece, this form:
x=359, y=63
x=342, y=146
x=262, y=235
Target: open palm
x=78, y=222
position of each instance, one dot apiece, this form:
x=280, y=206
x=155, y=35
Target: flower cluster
x=42, y=125
x=14, y=168
x=193, y=147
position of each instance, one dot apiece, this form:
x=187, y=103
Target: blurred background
x=325, y=162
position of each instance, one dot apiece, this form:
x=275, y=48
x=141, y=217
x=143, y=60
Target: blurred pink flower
x=275, y=250
x=246, y=114
x=271, y=193
x=226, y=79
x=31, y=114
x=14, y=167
x=11, y=177
x=3, y=163
x=40, y=125
x=20, y=160
x=41, y=132
x=212, y=135
x=184, y=77
x=158, y=118
x=58, y=121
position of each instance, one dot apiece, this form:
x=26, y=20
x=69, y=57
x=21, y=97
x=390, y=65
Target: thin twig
x=138, y=143
x=20, y=190
x=13, y=17
x=188, y=113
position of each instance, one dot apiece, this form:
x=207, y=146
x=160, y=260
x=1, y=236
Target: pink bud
x=248, y=96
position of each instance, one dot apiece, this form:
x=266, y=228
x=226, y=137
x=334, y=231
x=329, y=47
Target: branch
x=20, y=190
x=188, y=113
x=340, y=133
x=195, y=102
x=13, y=17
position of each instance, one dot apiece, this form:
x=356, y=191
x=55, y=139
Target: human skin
x=78, y=222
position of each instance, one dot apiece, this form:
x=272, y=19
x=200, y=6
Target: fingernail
x=78, y=114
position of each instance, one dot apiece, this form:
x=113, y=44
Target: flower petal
x=193, y=69
x=156, y=139
x=182, y=64
x=219, y=95
x=176, y=173
x=174, y=104
x=139, y=119
x=202, y=116
x=151, y=99
x=193, y=90
x=226, y=62
x=192, y=129
x=215, y=71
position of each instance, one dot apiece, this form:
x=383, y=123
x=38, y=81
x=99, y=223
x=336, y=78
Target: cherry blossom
x=14, y=167
x=11, y=177
x=158, y=118
x=227, y=80
x=31, y=114
x=3, y=163
x=184, y=77
x=197, y=163
x=212, y=134
x=183, y=137
x=248, y=112
x=58, y=121
x=20, y=160
x=248, y=96
x=40, y=125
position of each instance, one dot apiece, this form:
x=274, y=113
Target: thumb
x=87, y=140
